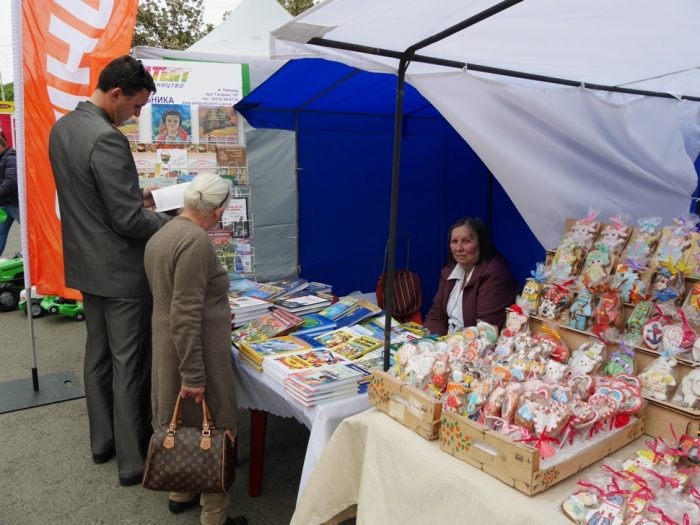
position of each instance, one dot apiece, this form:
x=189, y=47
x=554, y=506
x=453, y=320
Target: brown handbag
x=190, y=459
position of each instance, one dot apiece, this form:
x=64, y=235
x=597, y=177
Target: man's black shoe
x=133, y=480
x=100, y=459
x=176, y=507
x=238, y=520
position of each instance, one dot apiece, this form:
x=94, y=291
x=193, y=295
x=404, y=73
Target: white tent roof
x=246, y=31
x=243, y=38
x=556, y=150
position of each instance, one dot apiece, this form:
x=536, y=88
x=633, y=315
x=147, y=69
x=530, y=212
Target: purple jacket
x=490, y=291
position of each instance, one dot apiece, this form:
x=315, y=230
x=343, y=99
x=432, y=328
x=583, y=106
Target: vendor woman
x=476, y=284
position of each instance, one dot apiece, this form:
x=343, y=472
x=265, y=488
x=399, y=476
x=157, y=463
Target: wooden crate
x=661, y=415
x=408, y=405
x=517, y=464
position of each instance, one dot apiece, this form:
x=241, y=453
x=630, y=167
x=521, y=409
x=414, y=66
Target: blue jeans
x=12, y=216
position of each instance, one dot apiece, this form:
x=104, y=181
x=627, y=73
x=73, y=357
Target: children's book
x=266, y=327
x=300, y=302
x=258, y=351
x=289, y=286
x=240, y=305
x=374, y=359
x=357, y=347
x=343, y=305
x=241, y=286
x=338, y=337
x=279, y=367
x=362, y=310
x=263, y=291
x=314, y=287
x=314, y=323
x=327, y=377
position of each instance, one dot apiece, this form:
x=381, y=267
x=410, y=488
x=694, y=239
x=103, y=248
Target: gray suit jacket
x=104, y=224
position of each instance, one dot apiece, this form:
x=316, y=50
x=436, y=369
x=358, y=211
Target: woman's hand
x=195, y=393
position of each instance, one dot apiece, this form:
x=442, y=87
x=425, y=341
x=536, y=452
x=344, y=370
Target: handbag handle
x=207, y=425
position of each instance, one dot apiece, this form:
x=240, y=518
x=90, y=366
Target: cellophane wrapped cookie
x=653, y=329
x=615, y=236
x=620, y=362
x=608, y=313
x=588, y=358
x=597, y=266
x=631, y=281
x=635, y=322
x=581, y=310
x=554, y=301
x=667, y=286
x=567, y=260
x=584, y=231
x=643, y=242
x=659, y=378
x=675, y=244
x=688, y=393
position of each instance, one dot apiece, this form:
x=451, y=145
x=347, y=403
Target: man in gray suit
x=105, y=227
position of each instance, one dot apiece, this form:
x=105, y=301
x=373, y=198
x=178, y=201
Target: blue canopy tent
x=344, y=123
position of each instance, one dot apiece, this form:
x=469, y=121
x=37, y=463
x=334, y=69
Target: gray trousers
x=118, y=377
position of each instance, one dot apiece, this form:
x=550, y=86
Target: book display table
x=262, y=395
x=383, y=472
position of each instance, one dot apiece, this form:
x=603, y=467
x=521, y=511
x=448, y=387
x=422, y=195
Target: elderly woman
x=476, y=285
x=192, y=327
x=171, y=131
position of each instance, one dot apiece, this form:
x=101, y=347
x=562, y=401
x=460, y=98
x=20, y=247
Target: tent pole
x=404, y=61
x=398, y=122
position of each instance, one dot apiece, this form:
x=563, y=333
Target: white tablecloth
x=258, y=391
x=387, y=474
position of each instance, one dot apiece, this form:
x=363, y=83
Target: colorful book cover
x=326, y=377
x=355, y=315
x=303, y=360
x=264, y=291
x=315, y=321
x=223, y=244
x=242, y=286
x=337, y=337
x=299, y=302
x=266, y=327
x=357, y=347
x=336, y=310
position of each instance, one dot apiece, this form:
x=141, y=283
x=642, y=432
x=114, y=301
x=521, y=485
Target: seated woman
x=192, y=327
x=476, y=284
x=171, y=131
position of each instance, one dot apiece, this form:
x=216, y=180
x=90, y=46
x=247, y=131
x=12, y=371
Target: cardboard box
x=408, y=405
x=517, y=464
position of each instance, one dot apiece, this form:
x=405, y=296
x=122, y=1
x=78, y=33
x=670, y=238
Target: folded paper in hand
x=170, y=197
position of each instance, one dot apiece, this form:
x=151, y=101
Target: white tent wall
x=243, y=38
x=558, y=150
x=555, y=150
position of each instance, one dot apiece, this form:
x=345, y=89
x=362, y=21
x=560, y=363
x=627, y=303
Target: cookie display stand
x=408, y=405
x=518, y=464
x=660, y=415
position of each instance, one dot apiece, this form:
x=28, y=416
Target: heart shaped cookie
x=604, y=405
x=551, y=418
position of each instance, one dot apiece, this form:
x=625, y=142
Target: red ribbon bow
x=539, y=441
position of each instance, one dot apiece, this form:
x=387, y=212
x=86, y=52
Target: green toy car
x=37, y=310
x=58, y=305
x=11, y=282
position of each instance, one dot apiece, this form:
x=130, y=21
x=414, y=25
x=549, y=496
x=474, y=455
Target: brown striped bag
x=190, y=459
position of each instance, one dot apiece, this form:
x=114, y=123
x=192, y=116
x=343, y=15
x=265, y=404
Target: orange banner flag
x=65, y=45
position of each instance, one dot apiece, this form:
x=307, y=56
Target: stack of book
x=350, y=310
x=350, y=342
x=264, y=291
x=247, y=309
x=288, y=287
x=254, y=353
x=241, y=286
x=316, y=386
x=279, y=367
x=277, y=322
x=304, y=304
x=314, y=325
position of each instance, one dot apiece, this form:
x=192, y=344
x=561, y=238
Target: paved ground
x=46, y=471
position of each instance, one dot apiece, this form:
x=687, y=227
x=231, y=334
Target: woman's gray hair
x=206, y=192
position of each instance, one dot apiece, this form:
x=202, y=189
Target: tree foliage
x=296, y=7
x=9, y=91
x=170, y=24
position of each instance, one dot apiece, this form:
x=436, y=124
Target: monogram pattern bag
x=190, y=459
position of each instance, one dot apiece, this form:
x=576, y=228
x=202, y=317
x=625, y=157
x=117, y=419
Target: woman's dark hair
x=128, y=74
x=172, y=112
x=486, y=249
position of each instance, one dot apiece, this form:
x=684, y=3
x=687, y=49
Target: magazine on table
x=258, y=351
x=270, y=325
x=338, y=337
x=327, y=377
x=357, y=347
